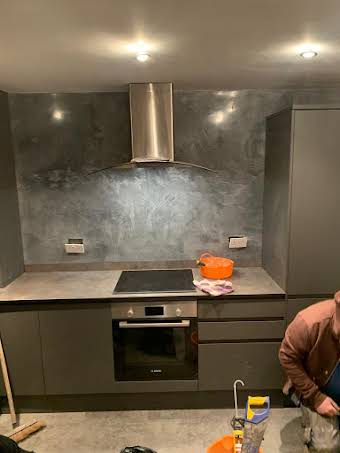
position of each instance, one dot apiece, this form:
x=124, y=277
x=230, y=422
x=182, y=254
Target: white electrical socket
x=74, y=248
x=238, y=242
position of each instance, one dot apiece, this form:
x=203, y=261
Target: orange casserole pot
x=215, y=267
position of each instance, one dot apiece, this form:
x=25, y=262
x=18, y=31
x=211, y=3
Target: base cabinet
x=257, y=364
x=77, y=349
x=67, y=349
x=20, y=336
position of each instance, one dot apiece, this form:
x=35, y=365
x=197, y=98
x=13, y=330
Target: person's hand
x=328, y=408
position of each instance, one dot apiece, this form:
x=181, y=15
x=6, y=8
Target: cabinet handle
x=158, y=325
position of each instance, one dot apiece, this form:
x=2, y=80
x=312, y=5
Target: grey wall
x=143, y=214
x=11, y=255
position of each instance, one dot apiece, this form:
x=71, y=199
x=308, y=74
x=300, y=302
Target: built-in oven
x=155, y=340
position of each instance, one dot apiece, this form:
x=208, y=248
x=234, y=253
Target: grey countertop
x=38, y=286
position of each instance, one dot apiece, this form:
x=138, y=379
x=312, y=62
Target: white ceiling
x=82, y=45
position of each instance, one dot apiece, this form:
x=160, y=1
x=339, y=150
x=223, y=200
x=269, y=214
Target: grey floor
x=175, y=431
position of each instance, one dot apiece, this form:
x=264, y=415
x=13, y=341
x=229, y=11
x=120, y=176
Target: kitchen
x=96, y=249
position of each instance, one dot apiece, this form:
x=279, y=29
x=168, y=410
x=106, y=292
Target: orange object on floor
x=215, y=267
x=224, y=445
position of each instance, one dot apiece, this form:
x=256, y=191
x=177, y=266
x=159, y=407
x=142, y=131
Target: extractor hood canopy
x=151, y=113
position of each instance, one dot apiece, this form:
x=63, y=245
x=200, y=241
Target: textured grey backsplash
x=158, y=214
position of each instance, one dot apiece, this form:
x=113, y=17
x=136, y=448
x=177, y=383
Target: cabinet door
x=77, y=349
x=314, y=248
x=241, y=309
x=240, y=330
x=257, y=364
x=21, y=341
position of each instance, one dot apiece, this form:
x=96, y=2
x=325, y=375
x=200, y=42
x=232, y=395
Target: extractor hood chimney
x=151, y=113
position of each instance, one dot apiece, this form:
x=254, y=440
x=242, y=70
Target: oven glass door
x=155, y=350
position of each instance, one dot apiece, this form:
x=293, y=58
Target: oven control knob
x=130, y=313
x=178, y=312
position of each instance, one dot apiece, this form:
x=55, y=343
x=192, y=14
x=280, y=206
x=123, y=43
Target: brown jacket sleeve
x=294, y=348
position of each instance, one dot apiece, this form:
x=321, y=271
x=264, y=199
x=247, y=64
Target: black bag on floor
x=138, y=450
x=8, y=445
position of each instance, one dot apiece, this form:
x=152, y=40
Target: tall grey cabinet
x=11, y=254
x=301, y=239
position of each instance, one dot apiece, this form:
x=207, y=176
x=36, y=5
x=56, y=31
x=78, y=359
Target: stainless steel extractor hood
x=151, y=113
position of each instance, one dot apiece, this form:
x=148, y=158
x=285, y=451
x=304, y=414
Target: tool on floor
x=247, y=431
x=257, y=412
x=21, y=432
x=237, y=422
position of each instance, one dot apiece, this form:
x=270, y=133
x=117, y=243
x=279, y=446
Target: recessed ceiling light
x=142, y=57
x=139, y=47
x=217, y=117
x=308, y=54
x=58, y=115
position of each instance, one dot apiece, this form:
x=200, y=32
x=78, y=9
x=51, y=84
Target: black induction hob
x=160, y=281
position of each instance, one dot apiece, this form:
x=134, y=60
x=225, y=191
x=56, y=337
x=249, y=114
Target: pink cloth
x=214, y=287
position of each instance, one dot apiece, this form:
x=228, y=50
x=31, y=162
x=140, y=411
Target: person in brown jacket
x=310, y=357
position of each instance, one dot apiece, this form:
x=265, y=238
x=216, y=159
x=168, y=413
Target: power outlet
x=238, y=242
x=75, y=246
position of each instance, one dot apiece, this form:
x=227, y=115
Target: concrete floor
x=174, y=431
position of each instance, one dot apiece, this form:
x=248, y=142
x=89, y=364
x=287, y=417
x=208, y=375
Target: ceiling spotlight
x=308, y=54
x=58, y=115
x=138, y=47
x=141, y=46
x=142, y=57
x=217, y=117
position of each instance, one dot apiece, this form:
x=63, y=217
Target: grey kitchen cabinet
x=77, y=348
x=241, y=309
x=241, y=330
x=256, y=363
x=240, y=339
x=301, y=241
x=11, y=254
x=20, y=336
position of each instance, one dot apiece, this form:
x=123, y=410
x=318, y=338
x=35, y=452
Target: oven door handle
x=130, y=325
